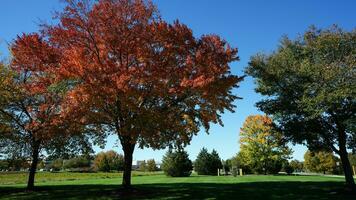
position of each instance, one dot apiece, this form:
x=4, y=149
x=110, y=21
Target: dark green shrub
x=207, y=163
x=177, y=164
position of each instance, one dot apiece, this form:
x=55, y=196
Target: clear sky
x=251, y=25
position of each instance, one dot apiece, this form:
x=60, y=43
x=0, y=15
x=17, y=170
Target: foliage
x=311, y=88
x=122, y=69
x=240, y=162
x=177, y=163
x=320, y=161
x=56, y=165
x=109, y=161
x=352, y=158
x=207, y=163
x=4, y=165
x=286, y=167
x=79, y=163
x=151, y=165
x=262, y=147
x=143, y=166
x=296, y=165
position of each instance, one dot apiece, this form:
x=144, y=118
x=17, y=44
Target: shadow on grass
x=251, y=190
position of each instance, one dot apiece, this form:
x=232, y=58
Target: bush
x=109, y=161
x=296, y=165
x=56, y=165
x=206, y=163
x=79, y=163
x=151, y=165
x=142, y=167
x=4, y=165
x=287, y=167
x=177, y=164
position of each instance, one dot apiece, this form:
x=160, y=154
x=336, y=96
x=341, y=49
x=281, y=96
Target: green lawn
x=158, y=186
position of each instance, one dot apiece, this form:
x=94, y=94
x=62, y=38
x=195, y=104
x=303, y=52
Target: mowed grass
x=158, y=186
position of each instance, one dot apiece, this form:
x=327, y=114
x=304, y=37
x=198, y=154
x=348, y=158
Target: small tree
x=177, y=164
x=151, y=165
x=143, y=166
x=296, y=165
x=109, y=161
x=264, y=149
x=207, y=163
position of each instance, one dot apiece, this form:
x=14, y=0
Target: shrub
x=151, y=165
x=142, y=167
x=109, y=161
x=206, y=163
x=177, y=164
x=79, y=163
x=56, y=165
x=287, y=167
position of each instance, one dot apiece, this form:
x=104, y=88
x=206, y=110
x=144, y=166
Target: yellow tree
x=263, y=147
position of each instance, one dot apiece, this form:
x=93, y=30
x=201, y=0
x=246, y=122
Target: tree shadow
x=177, y=191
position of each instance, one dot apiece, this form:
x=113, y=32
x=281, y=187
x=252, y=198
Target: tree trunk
x=128, y=148
x=350, y=183
x=31, y=176
x=347, y=169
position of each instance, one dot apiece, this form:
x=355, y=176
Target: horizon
x=252, y=34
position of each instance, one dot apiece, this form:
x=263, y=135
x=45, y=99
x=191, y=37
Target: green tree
x=207, y=163
x=109, y=161
x=143, y=166
x=151, y=165
x=264, y=149
x=310, y=86
x=79, y=163
x=177, y=163
x=296, y=165
x=321, y=161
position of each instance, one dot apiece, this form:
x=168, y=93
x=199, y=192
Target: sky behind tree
x=252, y=26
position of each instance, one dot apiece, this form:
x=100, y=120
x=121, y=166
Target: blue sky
x=251, y=25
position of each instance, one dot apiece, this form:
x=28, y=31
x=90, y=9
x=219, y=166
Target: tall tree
x=150, y=82
x=311, y=88
x=263, y=147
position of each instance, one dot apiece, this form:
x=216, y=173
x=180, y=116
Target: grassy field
x=158, y=186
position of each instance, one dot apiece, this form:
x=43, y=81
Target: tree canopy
x=311, y=88
x=263, y=148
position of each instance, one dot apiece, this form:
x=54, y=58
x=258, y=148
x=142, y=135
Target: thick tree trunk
x=347, y=169
x=31, y=176
x=128, y=148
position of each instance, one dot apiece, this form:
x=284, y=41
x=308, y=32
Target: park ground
x=157, y=186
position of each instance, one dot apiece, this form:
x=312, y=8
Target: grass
x=158, y=186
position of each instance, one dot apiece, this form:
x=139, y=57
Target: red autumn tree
x=150, y=82
x=30, y=103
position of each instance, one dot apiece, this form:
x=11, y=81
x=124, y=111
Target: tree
x=109, y=161
x=320, y=161
x=263, y=148
x=151, y=165
x=207, y=163
x=240, y=161
x=177, y=163
x=78, y=163
x=30, y=114
x=311, y=88
x=296, y=165
x=133, y=74
x=143, y=166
